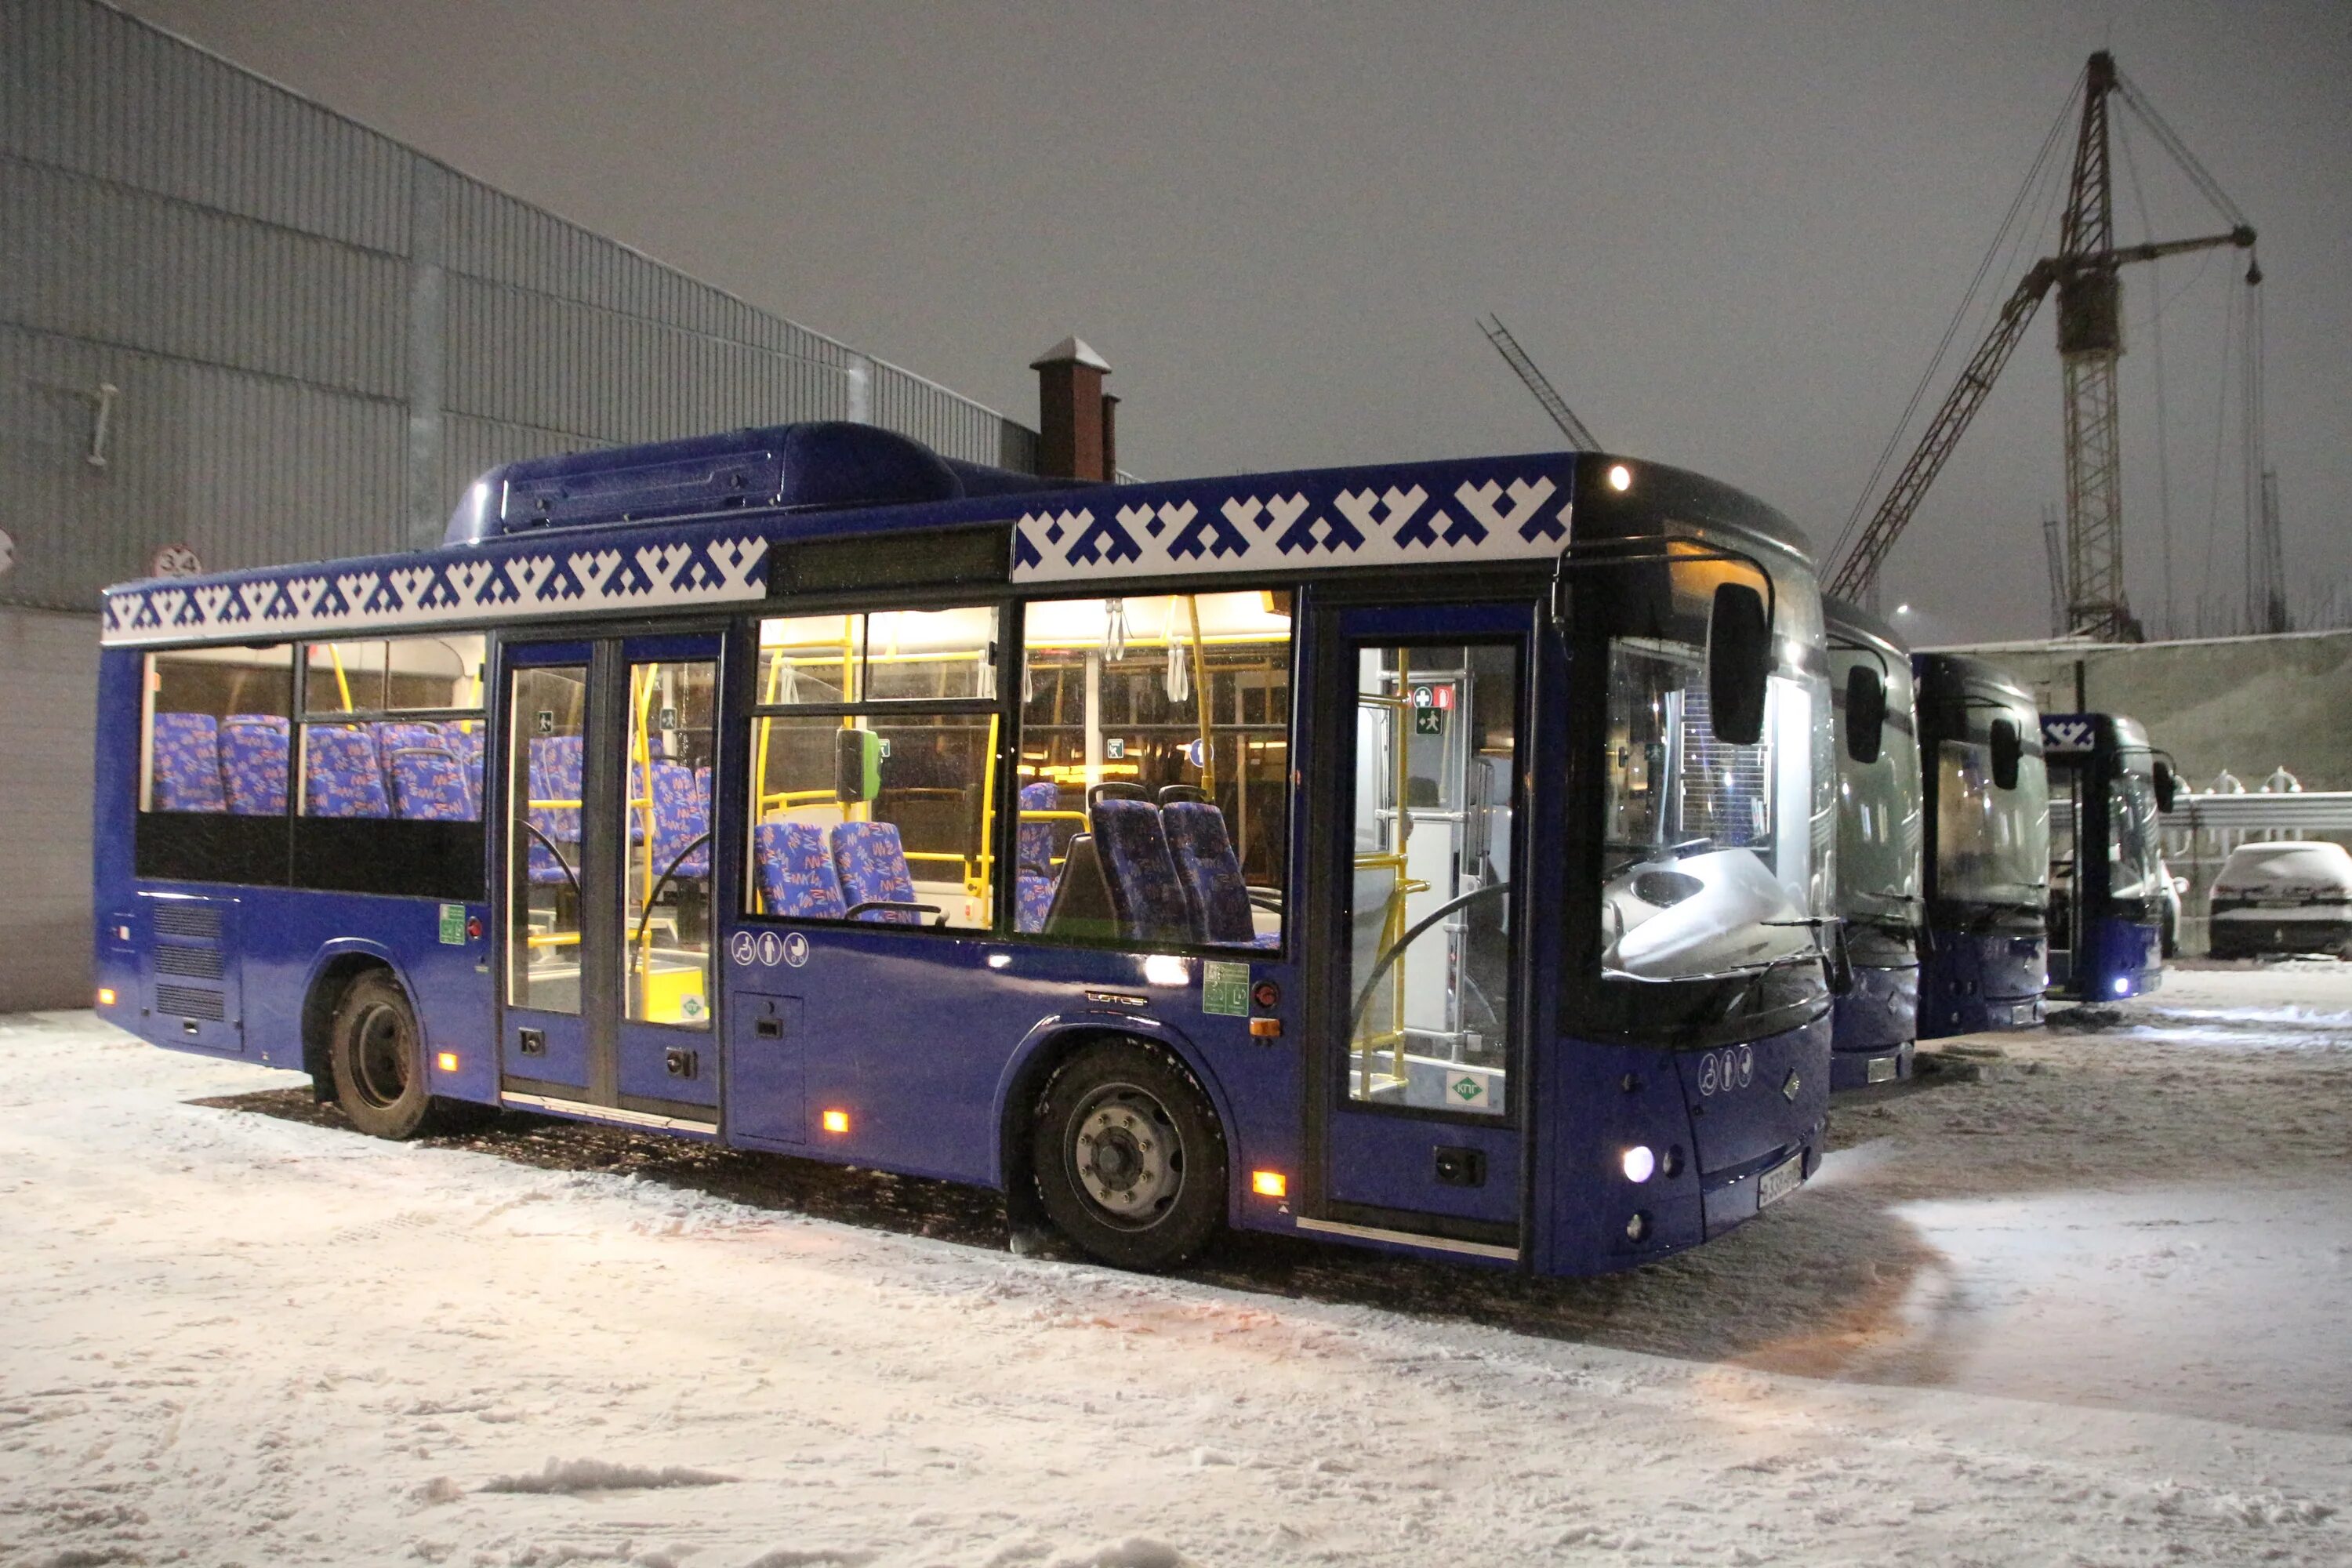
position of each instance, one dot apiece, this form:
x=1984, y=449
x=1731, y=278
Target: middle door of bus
x=1419, y=992
x=610, y=757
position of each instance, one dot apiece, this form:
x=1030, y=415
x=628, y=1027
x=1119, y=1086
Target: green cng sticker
x=1470, y=1090
x=1225, y=989
x=453, y=925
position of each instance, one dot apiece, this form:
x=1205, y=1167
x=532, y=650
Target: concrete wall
x=50, y=661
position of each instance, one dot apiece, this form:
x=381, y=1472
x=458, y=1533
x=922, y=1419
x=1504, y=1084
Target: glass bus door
x=609, y=752
x=1420, y=1039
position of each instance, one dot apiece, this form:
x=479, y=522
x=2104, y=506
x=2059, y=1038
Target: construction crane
x=2084, y=273
x=1580, y=438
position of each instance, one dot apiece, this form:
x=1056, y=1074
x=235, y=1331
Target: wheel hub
x=1129, y=1160
x=381, y=1059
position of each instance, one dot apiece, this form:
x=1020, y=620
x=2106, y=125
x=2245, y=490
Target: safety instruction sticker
x=453, y=925
x=1225, y=989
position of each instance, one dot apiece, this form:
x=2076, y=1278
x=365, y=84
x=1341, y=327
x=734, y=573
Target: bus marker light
x=447, y=1061
x=1637, y=1227
x=105, y=995
x=1640, y=1163
x=1265, y=1029
x=1269, y=1183
x=835, y=1120
x=1621, y=478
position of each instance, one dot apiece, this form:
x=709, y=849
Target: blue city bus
x=1361, y=854
x=1985, y=957
x=2106, y=875
x=1879, y=900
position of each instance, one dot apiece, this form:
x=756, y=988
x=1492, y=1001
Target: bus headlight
x=1640, y=1163
x=1621, y=478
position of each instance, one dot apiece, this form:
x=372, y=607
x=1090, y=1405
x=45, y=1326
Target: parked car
x=2283, y=897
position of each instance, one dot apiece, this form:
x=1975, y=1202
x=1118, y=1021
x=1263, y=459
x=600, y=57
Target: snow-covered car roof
x=2318, y=870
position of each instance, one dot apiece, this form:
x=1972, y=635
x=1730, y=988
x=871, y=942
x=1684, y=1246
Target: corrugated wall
x=305, y=340
x=317, y=337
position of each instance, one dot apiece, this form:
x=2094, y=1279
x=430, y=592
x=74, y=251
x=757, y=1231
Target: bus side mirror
x=857, y=766
x=2008, y=751
x=1739, y=660
x=1865, y=714
x=2167, y=785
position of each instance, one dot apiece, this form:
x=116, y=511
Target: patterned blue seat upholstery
x=1215, y=893
x=555, y=776
x=466, y=742
x=394, y=734
x=681, y=816
x=1033, y=875
x=253, y=763
x=187, y=775
x=340, y=774
x=428, y=786
x=873, y=867
x=797, y=876
x=1144, y=893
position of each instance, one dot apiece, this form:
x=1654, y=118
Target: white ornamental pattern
x=1493, y=519
x=406, y=592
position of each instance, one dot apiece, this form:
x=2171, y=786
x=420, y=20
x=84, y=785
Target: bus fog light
x=1640, y=1163
x=2123, y=985
x=1637, y=1227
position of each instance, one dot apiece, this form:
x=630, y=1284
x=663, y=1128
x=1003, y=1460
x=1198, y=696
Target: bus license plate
x=1780, y=1181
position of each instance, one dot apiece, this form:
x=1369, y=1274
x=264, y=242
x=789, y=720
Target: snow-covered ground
x=2076, y=1296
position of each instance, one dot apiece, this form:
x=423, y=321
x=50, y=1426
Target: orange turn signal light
x=105, y=995
x=447, y=1061
x=1269, y=1183
x=835, y=1120
x=1265, y=1029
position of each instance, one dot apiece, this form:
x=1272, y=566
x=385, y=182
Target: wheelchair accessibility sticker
x=743, y=948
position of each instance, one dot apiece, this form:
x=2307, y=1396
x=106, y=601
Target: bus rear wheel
x=376, y=1056
x=1129, y=1160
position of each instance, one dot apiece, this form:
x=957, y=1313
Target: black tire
x=1129, y=1160
x=377, y=1057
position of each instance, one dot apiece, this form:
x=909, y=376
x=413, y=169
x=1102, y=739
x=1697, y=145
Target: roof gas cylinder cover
x=829, y=464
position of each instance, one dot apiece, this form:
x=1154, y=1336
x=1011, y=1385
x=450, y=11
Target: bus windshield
x=1992, y=845
x=1716, y=855
x=1879, y=831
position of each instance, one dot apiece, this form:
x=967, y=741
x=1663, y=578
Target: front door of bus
x=1420, y=1037
x=608, y=751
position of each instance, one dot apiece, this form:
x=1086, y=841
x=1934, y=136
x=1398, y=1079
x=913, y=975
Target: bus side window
x=874, y=742
x=216, y=731
x=1180, y=699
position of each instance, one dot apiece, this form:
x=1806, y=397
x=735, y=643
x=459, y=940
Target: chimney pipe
x=1073, y=412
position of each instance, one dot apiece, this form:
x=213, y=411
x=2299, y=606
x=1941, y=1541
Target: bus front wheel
x=1130, y=1162
x=376, y=1056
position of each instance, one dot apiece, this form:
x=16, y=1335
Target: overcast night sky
x=1731, y=235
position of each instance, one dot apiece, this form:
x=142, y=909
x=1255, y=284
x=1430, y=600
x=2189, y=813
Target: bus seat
x=466, y=743
x=1034, y=881
x=187, y=774
x=1081, y=907
x=873, y=867
x=555, y=775
x=428, y=786
x=394, y=734
x=1144, y=892
x=681, y=816
x=797, y=875
x=1171, y=794
x=1214, y=892
x=253, y=763
x=340, y=775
